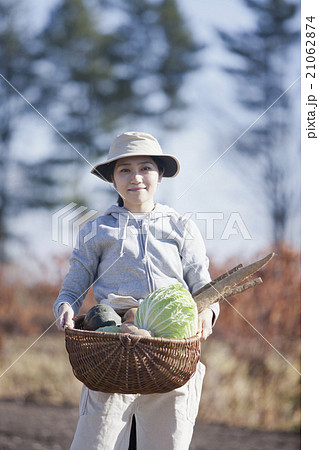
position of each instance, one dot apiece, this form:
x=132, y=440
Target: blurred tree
x=95, y=66
x=114, y=62
x=22, y=185
x=260, y=75
x=10, y=45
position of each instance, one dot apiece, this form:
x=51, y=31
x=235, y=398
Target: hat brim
x=169, y=162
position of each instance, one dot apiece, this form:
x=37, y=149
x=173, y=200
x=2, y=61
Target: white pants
x=163, y=421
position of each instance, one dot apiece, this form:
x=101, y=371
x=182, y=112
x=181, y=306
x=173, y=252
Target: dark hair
x=156, y=159
x=120, y=201
x=159, y=162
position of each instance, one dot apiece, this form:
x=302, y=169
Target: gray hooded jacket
x=118, y=254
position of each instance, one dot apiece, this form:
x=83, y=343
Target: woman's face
x=136, y=179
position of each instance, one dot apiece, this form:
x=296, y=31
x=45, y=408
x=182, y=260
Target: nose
x=136, y=177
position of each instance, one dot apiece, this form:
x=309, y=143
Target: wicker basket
x=128, y=364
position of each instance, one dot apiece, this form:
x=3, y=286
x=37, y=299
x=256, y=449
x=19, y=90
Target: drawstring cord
x=146, y=255
x=146, y=238
x=123, y=234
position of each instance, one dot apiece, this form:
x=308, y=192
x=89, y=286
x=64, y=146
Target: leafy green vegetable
x=169, y=312
x=110, y=329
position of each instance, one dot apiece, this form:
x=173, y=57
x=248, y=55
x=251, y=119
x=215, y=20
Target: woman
x=130, y=251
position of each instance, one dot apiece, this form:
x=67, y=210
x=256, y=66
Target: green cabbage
x=169, y=312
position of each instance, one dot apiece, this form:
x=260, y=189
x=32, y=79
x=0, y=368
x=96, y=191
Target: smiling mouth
x=137, y=189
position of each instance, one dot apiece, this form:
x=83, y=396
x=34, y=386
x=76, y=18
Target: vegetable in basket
x=101, y=316
x=129, y=315
x=110, y=329
x=169, y=312
x=125, y=328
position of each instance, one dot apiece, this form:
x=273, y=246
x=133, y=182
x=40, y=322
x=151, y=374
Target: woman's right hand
x=65, y=317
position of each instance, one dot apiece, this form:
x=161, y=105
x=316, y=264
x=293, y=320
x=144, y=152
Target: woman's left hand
x=205, y=323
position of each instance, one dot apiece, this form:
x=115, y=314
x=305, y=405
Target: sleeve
x=195, y=262
x=82, y=272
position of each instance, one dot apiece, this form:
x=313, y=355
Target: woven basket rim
x=78, y=332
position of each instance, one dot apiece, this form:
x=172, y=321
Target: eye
x=124, y=170
x=147, y=168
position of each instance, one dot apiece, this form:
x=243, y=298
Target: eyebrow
x=128, y=163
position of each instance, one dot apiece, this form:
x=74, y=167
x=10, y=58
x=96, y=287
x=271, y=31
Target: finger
x=202, y=331
x=207, y=332
x=63, y=321
x=68, y=324
x=67, y=320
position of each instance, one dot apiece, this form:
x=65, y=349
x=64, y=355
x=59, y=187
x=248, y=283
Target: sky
x=219, y=199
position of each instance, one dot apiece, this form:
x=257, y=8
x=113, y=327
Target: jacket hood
x=159, y=212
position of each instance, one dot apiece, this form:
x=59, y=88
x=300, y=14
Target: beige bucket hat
x=134, y=143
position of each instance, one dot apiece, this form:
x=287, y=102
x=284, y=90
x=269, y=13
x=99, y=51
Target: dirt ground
x=35, y=427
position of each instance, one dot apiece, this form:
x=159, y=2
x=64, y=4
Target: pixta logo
x=234, y=225
x=66, y=223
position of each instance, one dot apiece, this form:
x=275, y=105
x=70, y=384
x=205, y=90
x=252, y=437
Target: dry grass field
x=252, y=357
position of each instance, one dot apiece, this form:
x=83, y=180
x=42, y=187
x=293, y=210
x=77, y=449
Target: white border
x=309, y=239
